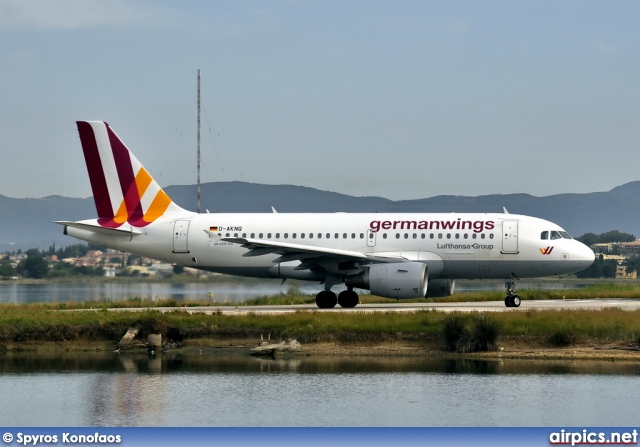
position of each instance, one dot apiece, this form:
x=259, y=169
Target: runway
x=394, y=306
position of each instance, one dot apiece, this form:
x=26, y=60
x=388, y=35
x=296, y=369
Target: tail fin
x=122, y=189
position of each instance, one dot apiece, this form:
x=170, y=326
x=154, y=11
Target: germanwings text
x=478, y=226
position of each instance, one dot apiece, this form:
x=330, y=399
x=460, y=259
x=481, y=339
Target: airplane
x=393, y=255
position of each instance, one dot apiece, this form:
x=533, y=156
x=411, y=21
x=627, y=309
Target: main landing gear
x=327, y=299
x=512, y=300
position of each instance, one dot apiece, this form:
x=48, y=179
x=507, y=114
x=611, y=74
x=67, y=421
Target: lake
x=202, y=388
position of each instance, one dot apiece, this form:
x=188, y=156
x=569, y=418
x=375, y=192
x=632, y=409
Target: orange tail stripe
x=157, y=208
x=143, y=180
x=122, y=215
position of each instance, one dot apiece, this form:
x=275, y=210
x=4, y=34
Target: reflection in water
x=209, y=388
x=215, y=361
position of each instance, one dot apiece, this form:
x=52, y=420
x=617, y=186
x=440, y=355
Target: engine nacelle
x=400, y=280
x=441, y=287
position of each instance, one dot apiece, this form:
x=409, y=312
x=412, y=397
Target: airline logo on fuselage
x=546, y=251
x=477, y=226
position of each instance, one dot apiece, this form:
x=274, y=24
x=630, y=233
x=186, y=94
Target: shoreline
x=509, y=349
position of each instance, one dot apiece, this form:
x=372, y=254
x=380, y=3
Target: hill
x=27, y=223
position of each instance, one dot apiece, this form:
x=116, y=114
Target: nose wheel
x=512, y=300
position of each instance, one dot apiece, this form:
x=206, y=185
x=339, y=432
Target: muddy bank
x=513, y=348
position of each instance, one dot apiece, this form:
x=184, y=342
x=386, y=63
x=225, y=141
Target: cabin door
x=180, y=234
x=510, y=236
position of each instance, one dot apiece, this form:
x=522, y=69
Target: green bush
x=483, y=335
x=563, y=338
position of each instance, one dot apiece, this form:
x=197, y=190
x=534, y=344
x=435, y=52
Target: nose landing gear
x=512, y=300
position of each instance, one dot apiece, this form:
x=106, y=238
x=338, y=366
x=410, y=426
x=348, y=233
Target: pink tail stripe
x=96, y=171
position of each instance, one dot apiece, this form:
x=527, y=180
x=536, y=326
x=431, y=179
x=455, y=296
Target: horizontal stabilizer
x=95, y=228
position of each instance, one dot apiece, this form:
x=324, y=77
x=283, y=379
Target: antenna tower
x=198, y=154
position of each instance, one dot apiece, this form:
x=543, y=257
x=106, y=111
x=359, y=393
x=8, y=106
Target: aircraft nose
x=585, y=254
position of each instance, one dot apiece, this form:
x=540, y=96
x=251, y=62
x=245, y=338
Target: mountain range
x=27, y=223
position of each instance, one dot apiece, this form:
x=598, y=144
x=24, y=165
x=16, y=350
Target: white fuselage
x=454, y=246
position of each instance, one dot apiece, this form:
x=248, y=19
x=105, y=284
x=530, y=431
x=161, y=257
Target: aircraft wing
x=295, y=252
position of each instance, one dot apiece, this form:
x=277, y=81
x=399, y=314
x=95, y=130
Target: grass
x=45, y=322
x=38, y=322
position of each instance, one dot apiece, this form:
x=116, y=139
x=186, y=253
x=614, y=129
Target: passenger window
x=253, y=235
x=336, y=235
x=293, y=235
x=439, y=235
x=344, y=235
x=277, y=235
x=286, y=235
x=268, y=235
x=260, y=235
x=406, y=236
x=422, y=235
x=544, y=235
x=361, y=235
x=384, y=236
x=353, y=235
x=448, y=235
x=319, y=235
x=310, y=235
x=301, y=235
x=457, y=236
x=466, y=236
x=555, y=235
x=474, y=236
x=397, y=235
x=244, y=234
x=228, y=235
x=491, y=236
x=482, y=236
x=431, y=236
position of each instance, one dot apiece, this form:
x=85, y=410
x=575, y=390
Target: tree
x=33, y=267
x=7, y=270
x=600, y=269
x=606, y=238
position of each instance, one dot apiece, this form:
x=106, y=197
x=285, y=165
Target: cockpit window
x=555, y=235
x=565, y=235
x=544, y=235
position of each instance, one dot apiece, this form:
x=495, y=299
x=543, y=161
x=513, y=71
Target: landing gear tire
x=326, y=299
x=512, y=301
x=348, y=299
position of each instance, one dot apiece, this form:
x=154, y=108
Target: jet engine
x=393, y=280
x=440, y=287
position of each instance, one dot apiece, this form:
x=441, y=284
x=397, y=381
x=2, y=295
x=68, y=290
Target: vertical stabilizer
x=122, y=188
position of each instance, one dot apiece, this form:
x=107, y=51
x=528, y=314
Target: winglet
x=123, y=190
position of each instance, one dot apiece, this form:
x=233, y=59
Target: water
x=204, y=389
x=17, y=292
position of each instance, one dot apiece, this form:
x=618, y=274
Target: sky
x=398, y=99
